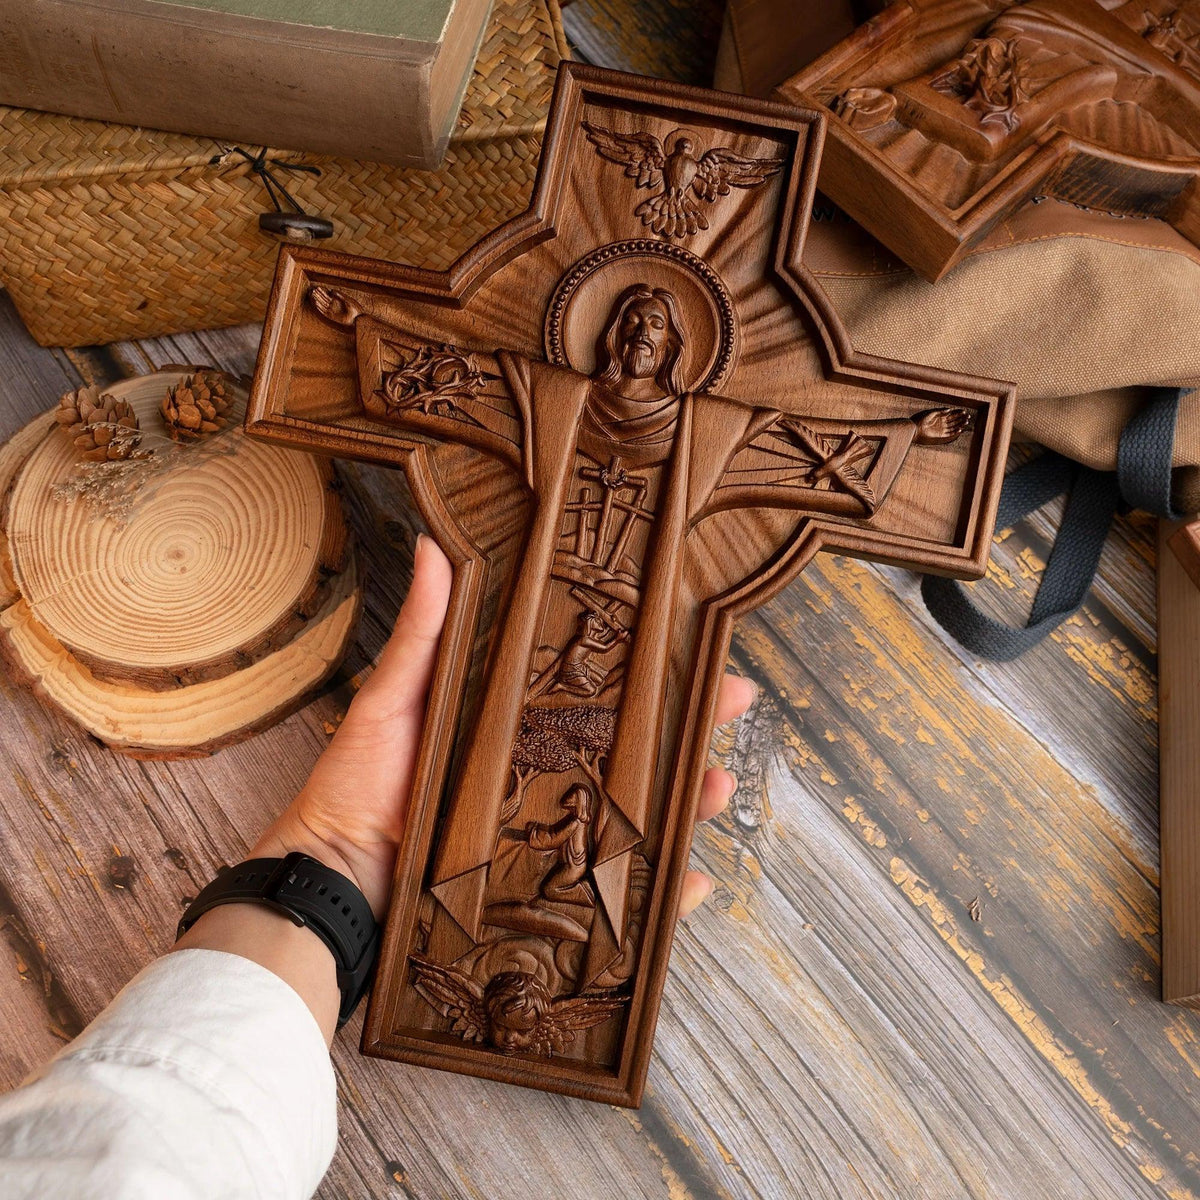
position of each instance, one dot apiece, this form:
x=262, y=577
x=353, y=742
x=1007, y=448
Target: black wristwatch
x=310, y=894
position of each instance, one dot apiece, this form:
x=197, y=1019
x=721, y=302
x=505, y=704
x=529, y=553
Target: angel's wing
x=454, y=995
x=641, y=154
x=719, y=170
x=566, y=1017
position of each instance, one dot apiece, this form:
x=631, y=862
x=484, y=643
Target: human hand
x=350, y=814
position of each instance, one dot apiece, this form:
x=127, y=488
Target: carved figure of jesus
x=594, y=635
x=623, y=464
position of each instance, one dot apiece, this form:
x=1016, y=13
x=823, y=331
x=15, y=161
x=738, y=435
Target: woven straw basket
x=109, y=232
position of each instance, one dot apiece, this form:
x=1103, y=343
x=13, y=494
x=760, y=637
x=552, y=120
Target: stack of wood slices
x=170, y=584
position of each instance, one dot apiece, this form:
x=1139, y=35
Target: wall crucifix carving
x=624, y=437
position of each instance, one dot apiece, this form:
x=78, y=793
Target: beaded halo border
x=647, y=248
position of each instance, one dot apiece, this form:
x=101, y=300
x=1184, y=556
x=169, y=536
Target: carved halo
x=584, y=296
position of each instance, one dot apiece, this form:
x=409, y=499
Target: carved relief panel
x=957, y=111
x=626, y=416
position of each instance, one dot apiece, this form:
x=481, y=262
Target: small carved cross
x=623, y=441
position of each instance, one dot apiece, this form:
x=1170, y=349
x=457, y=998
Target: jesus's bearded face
x=644, y=338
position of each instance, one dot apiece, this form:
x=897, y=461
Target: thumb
x=369, y=763
x=394, y=695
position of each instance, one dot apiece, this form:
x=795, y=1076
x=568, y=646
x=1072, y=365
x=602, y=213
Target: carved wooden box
x=628, y=416
x=948, y=114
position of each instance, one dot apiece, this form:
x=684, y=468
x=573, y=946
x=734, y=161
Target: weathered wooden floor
x=930, y=967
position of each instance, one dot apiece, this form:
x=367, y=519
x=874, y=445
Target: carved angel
x=514, y=1012
x=678, y=177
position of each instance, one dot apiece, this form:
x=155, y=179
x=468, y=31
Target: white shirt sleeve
x=207, y=1078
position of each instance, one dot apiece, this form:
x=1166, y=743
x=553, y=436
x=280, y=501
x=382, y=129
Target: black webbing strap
x=1145, y=451
x=1142, y=480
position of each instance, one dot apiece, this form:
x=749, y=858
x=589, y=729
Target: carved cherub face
x=645, y=338
x=515, y=1003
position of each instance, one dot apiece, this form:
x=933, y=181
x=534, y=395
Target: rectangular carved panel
x=948, y=114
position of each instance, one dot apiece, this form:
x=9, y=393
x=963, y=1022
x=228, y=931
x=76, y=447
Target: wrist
x=294, y=953
x=366, y=869
x=304, y=892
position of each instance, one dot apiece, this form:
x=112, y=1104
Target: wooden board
x=1185, y=546
x=189, y=603
x=948, y=114
x=628, y=421
x=1179, y=759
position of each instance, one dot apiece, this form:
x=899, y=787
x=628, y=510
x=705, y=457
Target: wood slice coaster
x=198, y=604
x=221, y=557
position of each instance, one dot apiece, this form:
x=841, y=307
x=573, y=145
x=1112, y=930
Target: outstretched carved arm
x=828, y=466
x=549, y=837
x=437, y=389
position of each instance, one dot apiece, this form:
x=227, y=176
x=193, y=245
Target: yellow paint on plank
x=935, y=700
x=676, y=1188
x=468, y=1183
x=1011, y=1002
x=1111, y=666
x=47, y=872
x=805, y=756
x=1067, y=846
x=726, y=1154
x=870, y=832
x=1182, y=1036
x=1108, y=664
x=736, y=872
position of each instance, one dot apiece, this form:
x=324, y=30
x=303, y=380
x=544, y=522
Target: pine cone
x=197, y=406
x=102, y=428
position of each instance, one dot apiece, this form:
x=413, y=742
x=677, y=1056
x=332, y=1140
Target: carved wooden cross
x=628, y=416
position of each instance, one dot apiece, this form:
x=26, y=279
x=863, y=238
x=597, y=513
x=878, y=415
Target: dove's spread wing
x=565, y=1017
x=719, y=170
x=641, y=154
x=454, y=995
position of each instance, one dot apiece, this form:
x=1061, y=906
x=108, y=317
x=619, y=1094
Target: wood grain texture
x=799, y=1053
x=675, y=39
x=1185, y=545
x=1179, y=761
x=627, y=421
x=143, y=577
x=946, y=115
x=821, y=1004
x=124, y=603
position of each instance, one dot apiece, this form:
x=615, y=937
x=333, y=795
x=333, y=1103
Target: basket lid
x=508, y=95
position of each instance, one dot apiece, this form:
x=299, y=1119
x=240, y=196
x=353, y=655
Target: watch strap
x=309, y=894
